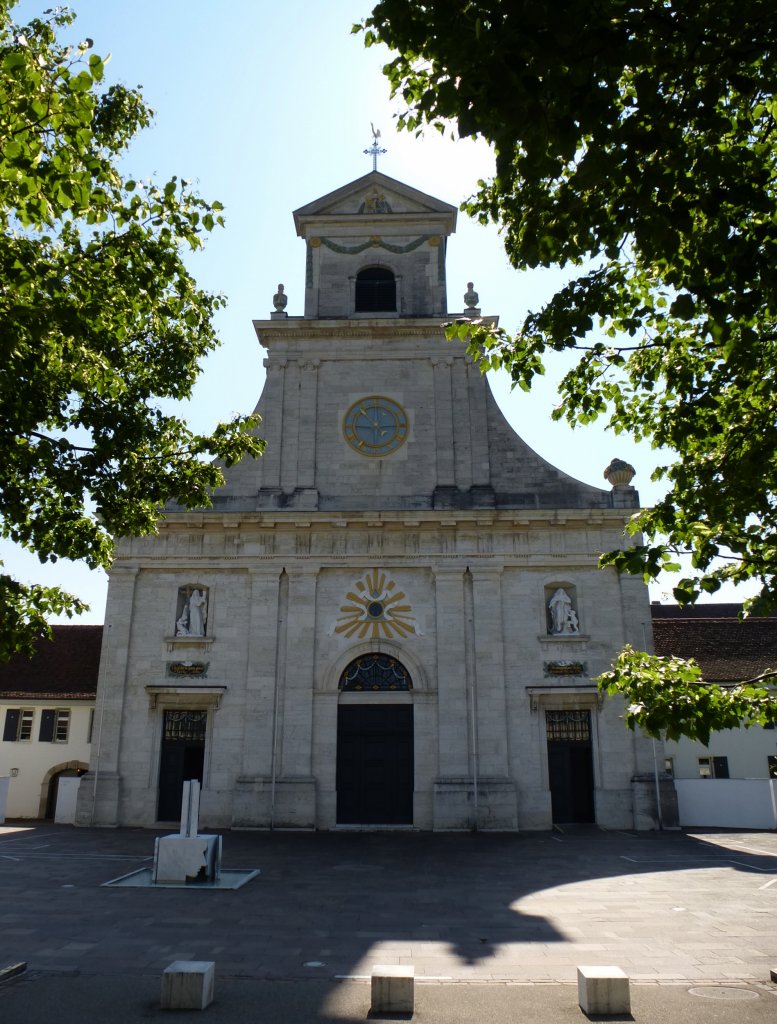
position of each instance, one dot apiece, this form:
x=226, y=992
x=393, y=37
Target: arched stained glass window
x=375, y=672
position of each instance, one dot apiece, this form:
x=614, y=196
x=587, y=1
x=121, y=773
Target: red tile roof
x=63, y=668
x=727, y=649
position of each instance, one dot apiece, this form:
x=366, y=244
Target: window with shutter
x=18, y=724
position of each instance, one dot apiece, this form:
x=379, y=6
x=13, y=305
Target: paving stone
x=522, y=906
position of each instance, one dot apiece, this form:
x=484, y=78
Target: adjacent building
x=728, y=650
x=47, y=706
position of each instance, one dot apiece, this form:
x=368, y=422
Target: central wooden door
x=375, y=764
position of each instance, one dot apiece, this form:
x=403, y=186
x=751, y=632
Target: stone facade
x=397, y=547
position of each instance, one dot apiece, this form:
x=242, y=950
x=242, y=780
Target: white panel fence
x=727, y=803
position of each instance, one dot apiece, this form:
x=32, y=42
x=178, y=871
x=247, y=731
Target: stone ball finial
x=280, y=299
x=619, y=473
x=471, y=298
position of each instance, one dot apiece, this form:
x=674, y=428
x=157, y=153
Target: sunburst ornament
x=376, y=609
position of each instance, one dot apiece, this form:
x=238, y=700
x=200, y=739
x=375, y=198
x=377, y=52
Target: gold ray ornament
x=375, y=610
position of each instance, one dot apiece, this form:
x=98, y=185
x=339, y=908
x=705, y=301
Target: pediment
x=375, y=197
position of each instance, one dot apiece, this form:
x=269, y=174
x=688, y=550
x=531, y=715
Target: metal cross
x=374, y=151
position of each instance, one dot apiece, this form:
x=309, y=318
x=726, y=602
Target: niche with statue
x=561, y=610
x=191, y=616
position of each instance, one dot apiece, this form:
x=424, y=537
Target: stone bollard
x=393, y=988
x=188, y=985
x=603, y=990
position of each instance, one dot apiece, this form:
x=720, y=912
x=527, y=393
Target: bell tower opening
x=376, y=291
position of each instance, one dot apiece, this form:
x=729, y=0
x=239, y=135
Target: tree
x=668, y=697
x=635, y=146
x=100, y=320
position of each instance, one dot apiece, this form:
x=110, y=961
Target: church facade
x=394, y=616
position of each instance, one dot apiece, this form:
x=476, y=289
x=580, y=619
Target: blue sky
x=267, y=106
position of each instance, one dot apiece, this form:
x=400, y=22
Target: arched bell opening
x=376, y=291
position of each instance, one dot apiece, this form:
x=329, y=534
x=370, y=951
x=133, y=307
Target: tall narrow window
x=62, y=727
x=376, y=291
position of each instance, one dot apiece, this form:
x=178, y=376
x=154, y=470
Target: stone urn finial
x=280, y=299
x=619, y=473
x=471, y=299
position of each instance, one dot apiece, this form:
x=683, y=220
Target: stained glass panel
x=375, y=672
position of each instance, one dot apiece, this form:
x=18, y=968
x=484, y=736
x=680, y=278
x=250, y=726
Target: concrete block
x=188, y=985
x=603, y=990
x=393, y=988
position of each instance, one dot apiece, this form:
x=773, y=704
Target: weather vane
x=375, y=150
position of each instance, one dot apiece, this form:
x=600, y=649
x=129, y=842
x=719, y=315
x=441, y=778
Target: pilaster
x=297, y=725
x=260, y=709
x=462, y=426
x=452, y=704
x=489, y=672
x=99, y=793
x=290, y=433
x=443, y=415
x=306, y=474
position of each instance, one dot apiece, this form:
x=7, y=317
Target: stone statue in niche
x=193, y=615
x=563, y=617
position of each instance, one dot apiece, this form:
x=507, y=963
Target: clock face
x=375, y=426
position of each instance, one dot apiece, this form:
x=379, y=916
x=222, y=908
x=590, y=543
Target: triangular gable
x=394, y=197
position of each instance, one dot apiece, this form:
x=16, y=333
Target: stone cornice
x=426, y=519
x=352, y=331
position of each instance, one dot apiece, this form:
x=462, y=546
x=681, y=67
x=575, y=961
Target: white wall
x=727, y=803
x=747, y=751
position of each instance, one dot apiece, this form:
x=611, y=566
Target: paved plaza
x=485, y=920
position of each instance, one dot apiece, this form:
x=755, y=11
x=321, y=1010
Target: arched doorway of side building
x=375, y=746
x=50, y=788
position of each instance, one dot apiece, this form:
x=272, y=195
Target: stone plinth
x=184, y=859
x=603, y=990
x=188, y=985
x=393, y=988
